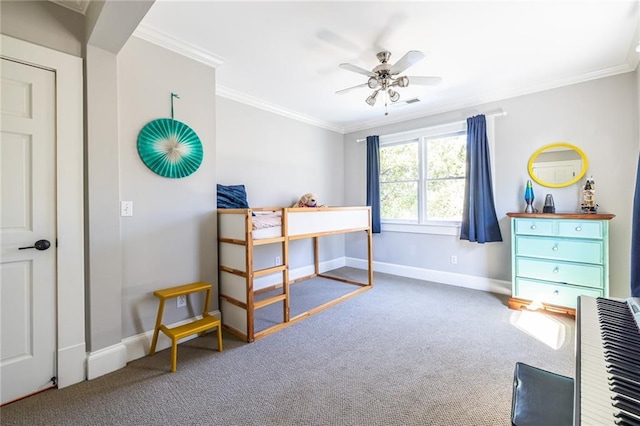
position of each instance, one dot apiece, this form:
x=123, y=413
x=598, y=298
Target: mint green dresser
x=557, y=257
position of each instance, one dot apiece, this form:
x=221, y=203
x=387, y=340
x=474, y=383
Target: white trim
x=111, y=358
x=452, y=229
x=492, y=97
x=106, y=360
x=117, y=356
x=442, y=277
x=79, y=6
x=138, y=346
x=71, y=361
x=184, y=48
x=69, y=194
x=181, y=47
x=267, y=106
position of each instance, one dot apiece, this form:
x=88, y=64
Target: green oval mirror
x=558, y=165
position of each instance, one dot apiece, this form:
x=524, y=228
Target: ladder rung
x=265, y=302
x=268, y=271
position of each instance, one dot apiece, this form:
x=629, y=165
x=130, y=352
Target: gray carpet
x=407, y=352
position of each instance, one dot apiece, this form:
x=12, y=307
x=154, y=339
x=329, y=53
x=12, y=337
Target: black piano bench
x=541, y=398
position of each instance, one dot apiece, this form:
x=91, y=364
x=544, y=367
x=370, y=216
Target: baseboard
x=71, y=365
x=138, y=346
x=106, y=360
x=442, y=277
x=117, y=356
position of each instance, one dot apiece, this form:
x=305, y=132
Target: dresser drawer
x=584, y=251
x=580, y=229
x=552, y=293
x=533, y=227
x=561, y=272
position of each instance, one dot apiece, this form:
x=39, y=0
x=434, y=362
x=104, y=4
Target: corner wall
x=599, y=116
x=278, y=159
x=171, y=237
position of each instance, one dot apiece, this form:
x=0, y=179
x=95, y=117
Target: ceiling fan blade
x=382, y=40
x=338, y=41
x=425, y=81
x=354, y=68
x=410, y=58
x=348, y=89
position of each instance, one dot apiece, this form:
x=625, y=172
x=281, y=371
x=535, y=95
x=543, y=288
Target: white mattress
x=267, y=225
x=260, y=234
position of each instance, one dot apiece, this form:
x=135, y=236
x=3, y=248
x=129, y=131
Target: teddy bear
x=308, y=200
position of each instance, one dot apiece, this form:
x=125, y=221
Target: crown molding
x=493, y=97
x=155, y=36
x=234, y=95
x=633, y=56
x=79, y=6
x=181, y=47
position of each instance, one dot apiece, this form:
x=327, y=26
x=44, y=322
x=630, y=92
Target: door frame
x=70, y=309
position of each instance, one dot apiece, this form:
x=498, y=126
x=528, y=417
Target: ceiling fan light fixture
x=373, y=83
x=371, y=100
x=393, y=95
x=403, y=81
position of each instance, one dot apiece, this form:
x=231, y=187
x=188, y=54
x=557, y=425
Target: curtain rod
x=491, y=114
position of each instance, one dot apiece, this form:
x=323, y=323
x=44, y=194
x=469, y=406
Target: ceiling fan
x=385, y=77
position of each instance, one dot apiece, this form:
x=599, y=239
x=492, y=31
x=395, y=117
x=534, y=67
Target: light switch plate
x=126, y=208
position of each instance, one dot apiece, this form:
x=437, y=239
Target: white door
x=27, y=215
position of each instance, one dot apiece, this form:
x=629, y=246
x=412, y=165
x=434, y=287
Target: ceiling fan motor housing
x=385, y=76
x=383, y=56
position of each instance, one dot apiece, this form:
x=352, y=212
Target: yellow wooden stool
x=207, y=322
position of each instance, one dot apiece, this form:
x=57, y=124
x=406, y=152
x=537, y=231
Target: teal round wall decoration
x=169, y=147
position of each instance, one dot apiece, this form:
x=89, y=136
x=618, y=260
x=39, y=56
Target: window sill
x=452, y=229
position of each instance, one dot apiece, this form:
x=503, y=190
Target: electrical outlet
x=454, y=259
x=277, y=261
x=181, y=301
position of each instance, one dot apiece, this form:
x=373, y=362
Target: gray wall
x=103, y=251
x=278, y=159
x=171, y=238
x=43, y=23
x=599, y=116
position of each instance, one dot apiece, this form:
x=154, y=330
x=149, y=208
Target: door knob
x=38, y=245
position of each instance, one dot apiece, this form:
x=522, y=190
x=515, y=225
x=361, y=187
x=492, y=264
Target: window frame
x=419, y=135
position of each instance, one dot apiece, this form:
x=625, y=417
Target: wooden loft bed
x=237, y=238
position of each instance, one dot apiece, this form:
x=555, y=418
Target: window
x=422, y=176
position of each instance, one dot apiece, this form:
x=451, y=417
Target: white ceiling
x=284, y=56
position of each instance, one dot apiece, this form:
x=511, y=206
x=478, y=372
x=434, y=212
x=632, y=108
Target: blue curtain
x=479, y=221
x=635, y=239
x=373, y=181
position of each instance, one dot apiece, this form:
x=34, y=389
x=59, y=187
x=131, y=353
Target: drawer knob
x=556, y=270
x=554, y=248
x=533, y=227
x=578, y=228
x=556, y=292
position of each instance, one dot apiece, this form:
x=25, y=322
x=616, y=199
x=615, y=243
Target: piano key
x=626, y=420
x=607, y=366
x=633, y=394
x=626, y=405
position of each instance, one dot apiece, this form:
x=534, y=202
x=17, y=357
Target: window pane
x=446, y=157
x=445, y=199
x=399, y=162
x=399, y=201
